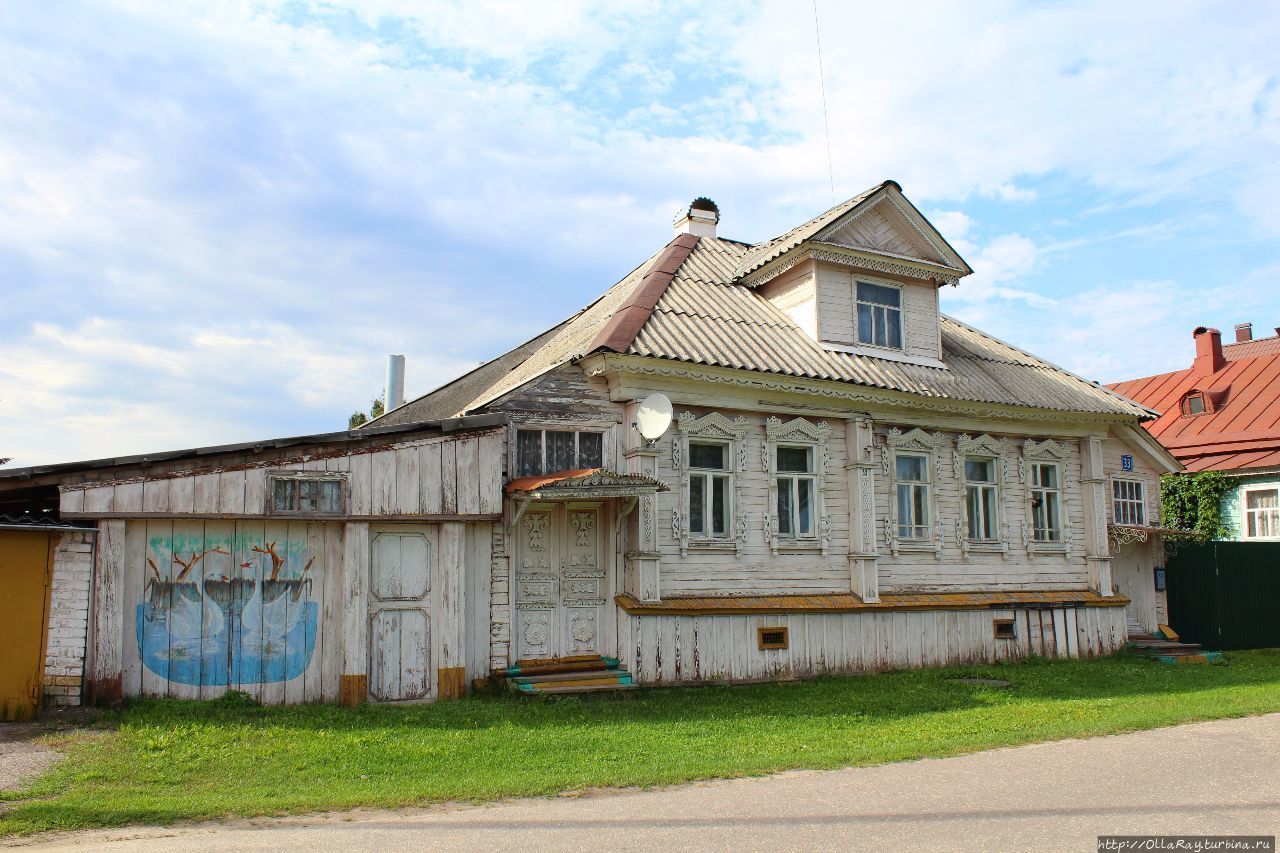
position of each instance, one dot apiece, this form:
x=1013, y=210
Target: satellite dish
x=653, y=417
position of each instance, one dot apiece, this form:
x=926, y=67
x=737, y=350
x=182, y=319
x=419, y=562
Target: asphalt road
x=1211, y=778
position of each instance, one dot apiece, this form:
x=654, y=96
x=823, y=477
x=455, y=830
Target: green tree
x=359, y=419
x=1194, y=502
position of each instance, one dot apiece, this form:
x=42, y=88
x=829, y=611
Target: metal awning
x=1127, y=534
x=586, y=483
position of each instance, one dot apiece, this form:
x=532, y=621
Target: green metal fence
x=1226, y=595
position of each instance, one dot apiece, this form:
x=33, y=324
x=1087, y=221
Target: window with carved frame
x=911, y=476
x=982, y=498
x=796, y=453
x=708, y=452
x=796, y=491
x=1046, y=502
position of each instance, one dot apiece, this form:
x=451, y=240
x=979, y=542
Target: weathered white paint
x=68, y=619
x=402, y=564
x=686, y=649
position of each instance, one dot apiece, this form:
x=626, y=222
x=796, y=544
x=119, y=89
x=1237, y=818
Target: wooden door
x=1131, y=569
x=561, y=581
x=400, y=570
x=26, y=568
x=582, y=580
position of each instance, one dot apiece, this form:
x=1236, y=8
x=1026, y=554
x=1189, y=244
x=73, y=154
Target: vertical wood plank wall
x=685, y=649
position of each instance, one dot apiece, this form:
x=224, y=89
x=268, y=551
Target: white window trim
x=795, y=476
x=916, y=442
x=1042, y=452
x=798, y=432
x=717, y=428
x=1244, y=511
x=982, y=447
x=1143, y=501
x=902, y=315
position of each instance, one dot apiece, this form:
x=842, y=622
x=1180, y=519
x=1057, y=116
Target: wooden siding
x=753, y=568
x=925, y=572
x=793, y=294
x=690, y=649
x=435, y=477
x=837, y=321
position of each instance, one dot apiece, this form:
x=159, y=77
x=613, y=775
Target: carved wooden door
x=560, y=581
x=582, y=580
x=537, y=582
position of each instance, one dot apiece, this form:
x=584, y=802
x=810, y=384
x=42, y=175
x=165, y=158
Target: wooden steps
x=1158, y=648
x=569, y=675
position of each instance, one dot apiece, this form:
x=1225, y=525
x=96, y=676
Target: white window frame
x=1055, y=453
x=798, y=432
x=983, y=487
x=984, y=447
x=1139, y=502
x=708, y=477
x=1244, y=512
x=902, y=324
x=792, y=479
x=710, y=428
x=1045, y=536
x=915, y=442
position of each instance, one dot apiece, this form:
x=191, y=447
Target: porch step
x=576, y=675
x=579, y=663
x=1158, y=648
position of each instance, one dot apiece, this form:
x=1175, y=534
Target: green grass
x=164, y=761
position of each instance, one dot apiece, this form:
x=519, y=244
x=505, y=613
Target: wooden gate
x=1223, y=595
x=401, y=567
x=26, y=569
x=561, y=581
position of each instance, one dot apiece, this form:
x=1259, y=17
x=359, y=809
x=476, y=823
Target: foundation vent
x=1003, y=629
x=772, y=638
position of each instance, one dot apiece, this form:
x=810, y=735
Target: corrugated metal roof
x=704, y=317
x=761, y=254
x=1249, y=349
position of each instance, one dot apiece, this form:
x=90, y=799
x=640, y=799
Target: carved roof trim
x=796, y=429
x=983, y=445
x=712, y=425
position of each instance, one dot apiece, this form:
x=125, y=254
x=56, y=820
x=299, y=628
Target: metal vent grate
x=772, y=638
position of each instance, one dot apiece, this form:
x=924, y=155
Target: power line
x=826, y=118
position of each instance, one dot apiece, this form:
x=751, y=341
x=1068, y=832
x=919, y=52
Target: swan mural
x=226, y=623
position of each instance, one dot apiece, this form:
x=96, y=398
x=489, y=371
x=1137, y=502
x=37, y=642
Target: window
x=771, y=638
x=1128, y=502
x=1262, y=513
x=1046, y=503
x=879, y=315
x=911, y=473
x=306, y=495
x=541, y=451
x=1003, y=629
x=1195, y=404
x=981, y=498
x=795, y=492
x=710, y=490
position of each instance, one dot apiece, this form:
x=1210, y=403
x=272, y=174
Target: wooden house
x=852, y=481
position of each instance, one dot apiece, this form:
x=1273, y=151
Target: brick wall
x=68, y=619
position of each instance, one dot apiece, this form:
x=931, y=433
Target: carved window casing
x=1045, y=471
x=911, y=461
x=708, y=481
x=981, y=469
x=799, y=440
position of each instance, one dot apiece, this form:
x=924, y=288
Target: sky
x=218, y=218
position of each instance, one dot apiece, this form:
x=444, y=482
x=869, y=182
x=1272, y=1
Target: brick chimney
x=1244, y=332
x=1209, y=358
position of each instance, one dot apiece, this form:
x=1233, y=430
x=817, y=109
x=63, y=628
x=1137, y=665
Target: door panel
x=582, y=580
x=560, y=581
x=401, y=564
x=537, y=583
x=26, y=566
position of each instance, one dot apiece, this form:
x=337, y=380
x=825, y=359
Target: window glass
x=719, y=506
x=979, y=470
x=795, y=459
x=296, y=494
x=912, y=475
x=697, y=503
x=804, y=506
x=710, y=456
x=528, y=452
x=590, y=450
x=1262, y=513
x=786, y=508
x=1128, y=502
x=982, y=500
x=1046, y=522
x=879, y=315
x=561, y=455
x=1195, y=404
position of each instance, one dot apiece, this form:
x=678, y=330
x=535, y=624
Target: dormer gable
x=863, y=279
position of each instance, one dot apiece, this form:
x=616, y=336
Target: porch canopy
x=583, y=484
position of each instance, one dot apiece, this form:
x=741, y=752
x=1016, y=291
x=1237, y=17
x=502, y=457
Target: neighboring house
x=1223, y=414
x=852, y=481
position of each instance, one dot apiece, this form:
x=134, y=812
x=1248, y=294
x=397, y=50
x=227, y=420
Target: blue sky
x=216, y=219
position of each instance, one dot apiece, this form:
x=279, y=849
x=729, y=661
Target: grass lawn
x=163, y=761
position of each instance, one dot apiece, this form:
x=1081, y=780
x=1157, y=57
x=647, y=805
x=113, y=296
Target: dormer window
x=879, y=315
x=1195, y=403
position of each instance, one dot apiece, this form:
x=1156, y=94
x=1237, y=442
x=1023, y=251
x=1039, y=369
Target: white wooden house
x=853, y=481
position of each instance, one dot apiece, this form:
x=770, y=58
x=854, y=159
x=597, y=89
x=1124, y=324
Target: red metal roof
x=1241, y=425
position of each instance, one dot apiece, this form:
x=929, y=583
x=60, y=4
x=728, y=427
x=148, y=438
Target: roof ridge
x=633, y=313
